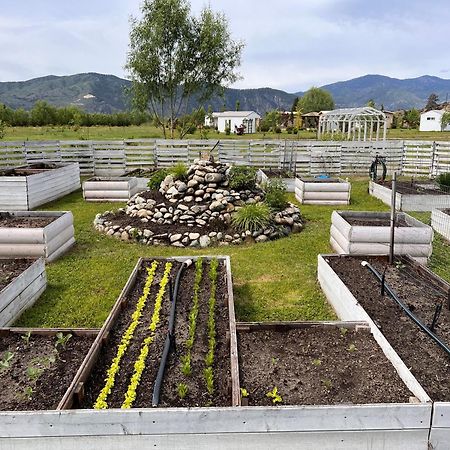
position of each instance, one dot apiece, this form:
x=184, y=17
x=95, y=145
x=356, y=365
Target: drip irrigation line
x=412, y=316
x=170, y=338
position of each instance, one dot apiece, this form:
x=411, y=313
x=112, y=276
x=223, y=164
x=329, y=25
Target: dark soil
x=10, y=221
x=416, y=188
x=31, y=169
x=446, y=211
x=198, y=394
x=274, y=173
x=375, y=222
x=320, y=180
x=163, y=230
x=428, y=363
x=12, y=268
x=317, y=366
x=145, y=390
x=141, y=173
x=53, y=369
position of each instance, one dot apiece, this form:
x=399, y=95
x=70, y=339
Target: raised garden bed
x=142, y=176
x=133, y=375
x=22, y=281
x=354, y=292
x=411, y=196
x=368, y=233
x=440, y=221
x=27, y=187
x=288, y=178
x=110, y=189
x=34, y=234
x=37, y=366
x=326, y=191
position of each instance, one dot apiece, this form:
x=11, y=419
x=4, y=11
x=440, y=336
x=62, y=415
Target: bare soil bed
x=37, y=374
x=10, y=221
x=31, y=169
x=319, y=180
x=278, y=173
x=169, y=393
x=421, y=293
x=316, y=366
x=141, y=173
x=416, y=188
x=376, y=222
x=12, y=268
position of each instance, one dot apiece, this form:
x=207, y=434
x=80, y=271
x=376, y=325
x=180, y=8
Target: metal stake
x=393, y=197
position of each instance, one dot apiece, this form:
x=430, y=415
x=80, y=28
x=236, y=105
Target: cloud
x=289, y=45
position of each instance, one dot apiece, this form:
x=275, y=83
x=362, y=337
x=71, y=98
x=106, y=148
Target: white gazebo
x=353, y=124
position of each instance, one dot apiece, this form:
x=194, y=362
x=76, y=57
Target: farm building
x=233, y=120
x=431, y=121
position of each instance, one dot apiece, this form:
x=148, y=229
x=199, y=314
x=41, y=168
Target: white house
x=234, y=120
x=431, y=121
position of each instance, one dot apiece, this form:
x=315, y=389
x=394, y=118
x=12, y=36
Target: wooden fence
x=425, y=158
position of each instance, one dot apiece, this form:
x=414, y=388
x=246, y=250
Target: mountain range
x=96, y=92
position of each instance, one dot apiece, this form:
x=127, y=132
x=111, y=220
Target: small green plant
x=186, y=364
x=352, y=348
x=183, y=390
x=28, y=392
x=274, y=361
x=179, y=171
x=275, y=194
x=209, y=378
x=317, y=362
x=252, y=217
x=157, y=178
x=227, y=131
x=242, y=178
x=444, y=180
x=62, y=339
x=33, y=373
x=5, y=362
x=343, y=331
x=327, y=384
x=244, y=392
x=399, y=265
x=26, y=337
x=274, y=395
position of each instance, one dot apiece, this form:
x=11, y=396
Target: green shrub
x=227, y=131
x=295, y=130
x=179, y=171
x=252, y=217
x=444, y=179
x=264, y=128
x=275, y=194
x=242, y=177
x=278, y=130
x=157, y=178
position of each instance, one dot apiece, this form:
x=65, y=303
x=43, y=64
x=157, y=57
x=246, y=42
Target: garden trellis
x=356, y=124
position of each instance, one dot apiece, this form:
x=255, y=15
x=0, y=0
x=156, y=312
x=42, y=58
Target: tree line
x=43, y=114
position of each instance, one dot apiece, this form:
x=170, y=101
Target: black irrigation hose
x=373, y=171
x=170, y=338
x=407, y=310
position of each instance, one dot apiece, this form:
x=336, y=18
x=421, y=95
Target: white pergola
x=353, y=124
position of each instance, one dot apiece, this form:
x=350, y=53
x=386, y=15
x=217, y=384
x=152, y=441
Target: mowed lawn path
x=272, y=281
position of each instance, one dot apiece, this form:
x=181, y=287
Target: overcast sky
x=290, y=44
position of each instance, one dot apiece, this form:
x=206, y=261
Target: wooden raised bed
x=328, y=191
x=22, y=291
x=264, y=177
x=27, y=187
x=90, y=380
x=41, y=367
x=440, y=221
x=342, y=279
x=416, y=198
x=352, y=233
x=110, y=189
x=49, y=241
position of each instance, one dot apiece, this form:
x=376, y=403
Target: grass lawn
x=272, y=281
x=148, y=131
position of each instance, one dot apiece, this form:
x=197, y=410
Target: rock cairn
x=203, y=201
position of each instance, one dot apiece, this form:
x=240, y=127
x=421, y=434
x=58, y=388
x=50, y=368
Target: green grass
x=272, y=281
x=148, y=131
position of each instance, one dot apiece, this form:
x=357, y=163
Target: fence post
x=433, y=168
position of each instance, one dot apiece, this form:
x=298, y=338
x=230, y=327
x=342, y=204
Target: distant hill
x=95, y=92
x=393, y=93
